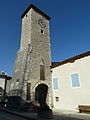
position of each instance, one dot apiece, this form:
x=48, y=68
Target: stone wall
x=34, y=51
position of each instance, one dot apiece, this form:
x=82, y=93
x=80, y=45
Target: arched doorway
x=41, y=93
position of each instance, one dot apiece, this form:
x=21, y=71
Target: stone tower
x=32, y=73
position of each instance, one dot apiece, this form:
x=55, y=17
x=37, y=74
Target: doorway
x=41, y=93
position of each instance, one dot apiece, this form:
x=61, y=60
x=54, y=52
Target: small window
x=57, y=99
x=75, y=80
x=42, y=72
x=28, y=91
x=17, y=80
x=30, y=48
x=55, y=83
x=42, y=31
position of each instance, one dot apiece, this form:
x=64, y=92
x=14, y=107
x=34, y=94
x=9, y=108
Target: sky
x=69, y=28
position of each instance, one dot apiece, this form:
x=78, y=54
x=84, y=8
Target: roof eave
x=6, y=76
x=70, y=60
x=37, y=10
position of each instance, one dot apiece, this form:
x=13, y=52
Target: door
x=28, y=91
x=41, y=93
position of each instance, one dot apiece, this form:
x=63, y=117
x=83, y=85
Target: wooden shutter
x=28, y=90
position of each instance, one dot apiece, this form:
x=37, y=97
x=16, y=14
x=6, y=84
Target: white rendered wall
x=70, y=97
x=2, y=82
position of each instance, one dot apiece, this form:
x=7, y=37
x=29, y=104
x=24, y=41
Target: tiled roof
x=37, y=10
x=5, y=76
x=56, y=64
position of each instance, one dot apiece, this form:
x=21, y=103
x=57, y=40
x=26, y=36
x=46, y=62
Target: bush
x=44, y=107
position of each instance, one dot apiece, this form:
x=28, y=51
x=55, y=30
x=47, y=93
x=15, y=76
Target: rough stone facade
x=34, y=52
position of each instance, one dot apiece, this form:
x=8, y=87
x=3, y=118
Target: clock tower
x=32, y=73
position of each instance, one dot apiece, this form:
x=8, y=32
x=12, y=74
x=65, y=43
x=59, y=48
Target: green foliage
x=44, y=107
x=3, y=98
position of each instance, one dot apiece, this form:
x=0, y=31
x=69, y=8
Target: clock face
x=41, y=23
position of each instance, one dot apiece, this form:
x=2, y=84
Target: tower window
x=17, y=80
x=28, y=91
x=42, y=72
x=42, y=31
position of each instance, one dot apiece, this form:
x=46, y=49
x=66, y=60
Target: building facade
x=32, y=70
x=33, y=77
x=71, y=82
x=4, y=83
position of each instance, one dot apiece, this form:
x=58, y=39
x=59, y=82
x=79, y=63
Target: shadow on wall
x=1, y=91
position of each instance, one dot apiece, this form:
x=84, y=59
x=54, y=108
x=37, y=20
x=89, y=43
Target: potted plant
x=44, y=111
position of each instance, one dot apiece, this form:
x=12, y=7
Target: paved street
x=70, y=115
x=6, y=116
x=57, y=115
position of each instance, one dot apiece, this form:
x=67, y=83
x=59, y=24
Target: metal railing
x=15, y=92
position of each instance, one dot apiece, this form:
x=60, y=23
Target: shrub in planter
x=44, y=111
x=43, y=107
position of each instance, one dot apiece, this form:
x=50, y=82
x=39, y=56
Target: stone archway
x=41, y=93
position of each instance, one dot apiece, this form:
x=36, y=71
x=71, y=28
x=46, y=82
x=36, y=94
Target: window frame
x=78, y=79
x=57, y=82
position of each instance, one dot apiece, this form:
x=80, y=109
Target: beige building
x=4, y=83
x=71, y=82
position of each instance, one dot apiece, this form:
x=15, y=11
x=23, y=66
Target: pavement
x=70, y=115
x=57, y=115
x=8, y=116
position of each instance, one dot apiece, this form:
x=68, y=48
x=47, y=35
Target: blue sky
x=69, y=26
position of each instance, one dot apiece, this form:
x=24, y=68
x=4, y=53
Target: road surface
x=6, y=116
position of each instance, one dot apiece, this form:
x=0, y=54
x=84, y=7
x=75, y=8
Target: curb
x=18, y=114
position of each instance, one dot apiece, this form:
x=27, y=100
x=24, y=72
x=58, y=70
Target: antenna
x=3, y=72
